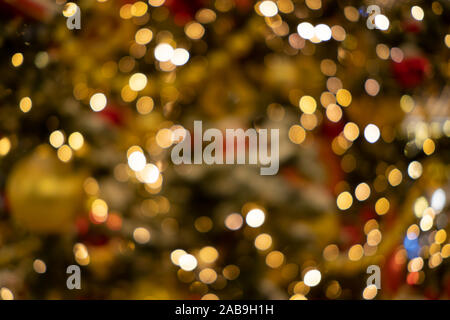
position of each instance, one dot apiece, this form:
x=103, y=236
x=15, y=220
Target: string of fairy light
x=332, y=103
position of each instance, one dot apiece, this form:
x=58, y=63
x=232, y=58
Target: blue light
x=412, y=247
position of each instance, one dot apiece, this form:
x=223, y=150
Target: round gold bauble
x=44, y=193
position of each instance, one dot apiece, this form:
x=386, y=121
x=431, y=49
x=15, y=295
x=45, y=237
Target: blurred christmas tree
x=361, y=100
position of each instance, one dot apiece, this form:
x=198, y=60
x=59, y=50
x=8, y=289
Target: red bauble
x=94, y=240
x=114, y=115
x=332, y=129
x=351, y=235
x=244, y=5
x=41, y=10
x=82, y=225
x=447, y=285
x=367, y=213
x=431, y=293
x=410, y=72
x=184, y=10
x=412, y=26
x=392, y=274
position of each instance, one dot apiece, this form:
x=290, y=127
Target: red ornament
x=95, y=240
x=412, y=26
x=410, y=72
x=332, y=129
x=447, y=285
x=351, y=235
x=244, y=5
x=41, y=10
x=82, y=225
x=113, y=115
x=431, y=293
x=392, y=274
x=367, y=213
x=184, y=10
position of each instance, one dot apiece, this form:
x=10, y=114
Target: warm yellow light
x=297, y=134
x=362, y=191
x=137, y=161
x=275, y=259
x=334, y=112
x=231, y=272
x=351, y=131
x=370, y=292
x=194, y=30
x=156, y=3
x=210, y=296
x=445, y=252
x=234, y=221
x=372, y=133
x=208, y=254
x=407, y=103
x=137, y=81
x=205, y=16
x=255, y=218
x=382, y=22
x=98, y=102
x=308, y=104
x=76, y=140
x=263, y=241
x=356, y=252
x=39, y=266
x=440, y=236
x=203, y=224
x=164, y=138
x=417, y=13
x=428, y=146
x=6, y=294
x=382, y=206
x=188, y=262
x=344, y=97
x=207, y=276
x=25, y=104
x=176, y=255
x=374, y=237
x=141, y=235
x=99, y=210
x=312, y=277
x=395, y=177
x=5, y=146
x=331, y=252
x=143, y=36
x=372, y=87
x=344, y=200
x=268, y=8
x=70, y=9
x=149, y=174
x=180, y=56
x=56, y=138
x=415, y=169
x=426, y=223
x=145, y=105
x=415, y=265
x=64, y=153
x=17, y=59
x=139, y=8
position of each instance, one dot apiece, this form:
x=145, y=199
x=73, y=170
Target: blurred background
x=361, y=99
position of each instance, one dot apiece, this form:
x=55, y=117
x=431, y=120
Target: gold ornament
x=44, y=194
